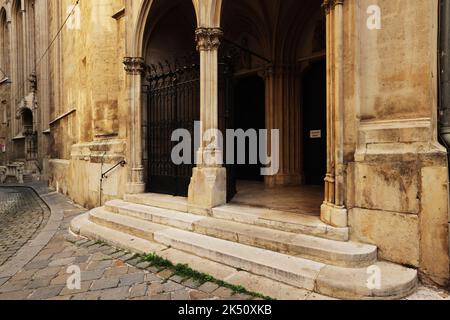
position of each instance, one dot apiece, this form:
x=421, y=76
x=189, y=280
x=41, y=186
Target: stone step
x=346, y=254
x=274, y=219
x=280, y=220
x=346, y=283
x=269, y=287
x=159, y=201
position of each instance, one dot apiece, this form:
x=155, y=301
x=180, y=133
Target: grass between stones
x=183, y=270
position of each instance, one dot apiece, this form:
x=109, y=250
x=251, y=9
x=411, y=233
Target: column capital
x=208, y=39
x=134, y=65
x=328, y=5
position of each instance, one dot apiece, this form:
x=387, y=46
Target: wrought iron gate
x=172, y=93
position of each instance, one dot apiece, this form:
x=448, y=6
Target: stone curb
x=30, y=250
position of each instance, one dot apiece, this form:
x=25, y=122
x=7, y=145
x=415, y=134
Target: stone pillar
x=134, y=67
x=208, y=187
x=333, y=210
x=282, y=113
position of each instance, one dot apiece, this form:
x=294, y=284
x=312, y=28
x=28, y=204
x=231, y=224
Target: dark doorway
x=315, y=123
x=249, y=113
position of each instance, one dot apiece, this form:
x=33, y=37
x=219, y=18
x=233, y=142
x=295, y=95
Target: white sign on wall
x=315, y=134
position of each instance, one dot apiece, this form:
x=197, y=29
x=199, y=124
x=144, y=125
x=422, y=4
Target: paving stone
x=118, y=254
x=62, y=262
x=171, y=286
x=208, y=287
x=81, y=259
x=105, y=284
x=91, y=275
x=47, y=272
x=155, y=289
x=37, y=265
x=24, y=275
x=138, y=290
x=60, y=280
x=63, y=255
x=85, y=286
x=16, y=295
x=90, y=296
x=39, y=283
x=81, y=242
x=154, y=269
x=165, y=274
x=131, y=279
x=150, y=277
x=223, y=292
x=127, y=257
x=143, y=265
x=177, y=279
x=12, y=286
x=134, y=262
x=163, y=296
x=110, y=251
x=199, y=295
x=116, y=271
x=89, y=243
x=98, y=256
x=183, y=294
x=241, y=296
x=46, y=293
x=99, y=265
x=120, y=293
x=42, y=257
x=192, y=283
x=4, y=280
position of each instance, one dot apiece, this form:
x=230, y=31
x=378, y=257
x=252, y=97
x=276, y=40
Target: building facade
x=351, y=85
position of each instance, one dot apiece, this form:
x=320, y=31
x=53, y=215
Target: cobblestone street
x=22, y=215
x=107, y=273
x=39, y=270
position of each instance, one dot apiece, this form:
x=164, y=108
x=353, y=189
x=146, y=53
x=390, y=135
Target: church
x=353, y=95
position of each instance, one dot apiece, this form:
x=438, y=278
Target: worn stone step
x=396, y=281
x=269, y=287
x=159, y=201
x=280, y=220
x=347, y=254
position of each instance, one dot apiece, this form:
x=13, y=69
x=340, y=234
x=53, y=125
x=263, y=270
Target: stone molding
x=208, y=39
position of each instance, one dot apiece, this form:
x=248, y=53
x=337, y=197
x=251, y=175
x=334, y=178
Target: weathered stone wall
x=398, y=184
x=91, y=89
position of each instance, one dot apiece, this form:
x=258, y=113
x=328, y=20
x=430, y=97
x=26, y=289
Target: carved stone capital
x=328, y=5
x=208, y=39
x=134, y=65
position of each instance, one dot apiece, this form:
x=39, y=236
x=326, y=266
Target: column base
x=135, y=188
x=208, y=189
x=334, y=216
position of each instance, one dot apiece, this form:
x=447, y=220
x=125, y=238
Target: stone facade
x=386, y=173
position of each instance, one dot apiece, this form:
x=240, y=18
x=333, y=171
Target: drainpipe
x=444, y=63
x=444, y=80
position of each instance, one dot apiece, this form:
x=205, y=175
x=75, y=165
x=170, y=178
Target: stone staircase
x=298, y=251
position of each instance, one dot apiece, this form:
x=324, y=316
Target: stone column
x=333, y=210
x=134, y=67
x=282, y=113
x=208, y=187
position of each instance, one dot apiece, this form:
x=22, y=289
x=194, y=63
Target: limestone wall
x=88, y=112
x=397, y=186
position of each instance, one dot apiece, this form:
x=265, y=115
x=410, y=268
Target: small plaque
x=315, y=134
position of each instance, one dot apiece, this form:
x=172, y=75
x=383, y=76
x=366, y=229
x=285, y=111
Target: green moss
x=183, y=270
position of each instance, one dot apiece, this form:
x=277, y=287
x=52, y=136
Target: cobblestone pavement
x=106, y=273
x=22, y=216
